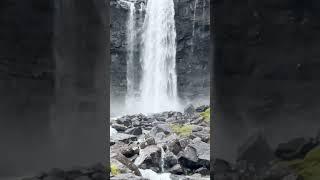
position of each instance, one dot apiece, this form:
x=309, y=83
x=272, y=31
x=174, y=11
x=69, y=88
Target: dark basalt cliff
x=266, y=71
x=192, y=67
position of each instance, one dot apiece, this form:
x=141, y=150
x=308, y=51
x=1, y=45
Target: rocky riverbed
x=297, y=159
x=168, y=145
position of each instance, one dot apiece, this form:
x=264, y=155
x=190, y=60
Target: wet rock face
x=192, y=67
x=266, y=70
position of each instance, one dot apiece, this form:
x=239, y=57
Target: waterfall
x=158, y=85
x=131, y=36
x=193, y=24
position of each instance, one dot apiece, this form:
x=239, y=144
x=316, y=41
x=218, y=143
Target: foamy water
x=149, y=174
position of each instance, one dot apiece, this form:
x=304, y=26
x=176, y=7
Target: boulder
x=197, y=120
x=165, y=128
x=174, y=146
x=134, y=131
x=184, y=142
x=296, y=148
x=256, y=151
x=149, y=157
x=160, y=136
x=135, y=122
x=203, y=171
x=203, y=152
x=129, y=151
x=189, y=110
x=203, y=136
x=176, y=169
x=149, y=141
x=197, y=128
x=202, y=108
x=118, y=127
x=169, y=160
x=126, y=121
x=189, y=159
x=126, y=138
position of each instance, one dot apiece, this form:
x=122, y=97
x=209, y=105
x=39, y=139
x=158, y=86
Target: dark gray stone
x=189, y=110
x=149, y=157
x=296, y=148
x=176, y=169
x=169, y=160
x=174, y=146
x=256, y=151
x=126, y=138
x=203, y=171
x=165, y=128
x=119, y=127
x=202, y=108
x=134, y=131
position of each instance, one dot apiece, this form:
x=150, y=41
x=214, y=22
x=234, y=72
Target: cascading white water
x=131, y=35
x=159, y=80
x=149, y=174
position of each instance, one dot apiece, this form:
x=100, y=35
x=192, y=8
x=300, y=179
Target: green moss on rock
x=206, y=115
x=114, y=170
x=309, y=167
x=182, y=130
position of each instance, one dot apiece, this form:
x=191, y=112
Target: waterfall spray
x=158, y=85
x=131, y=35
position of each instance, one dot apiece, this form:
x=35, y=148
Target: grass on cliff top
x=184, y=130
x=309, y=167
x=114, y=170
x=206, y=115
